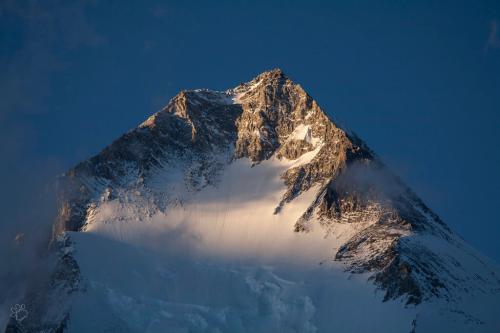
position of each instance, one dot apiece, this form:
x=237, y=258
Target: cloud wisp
x=493, y=41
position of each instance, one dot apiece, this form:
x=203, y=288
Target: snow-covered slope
x=249, y=210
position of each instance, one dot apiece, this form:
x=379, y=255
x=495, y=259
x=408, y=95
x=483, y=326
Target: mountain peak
x=273, y=74
x=264, y=155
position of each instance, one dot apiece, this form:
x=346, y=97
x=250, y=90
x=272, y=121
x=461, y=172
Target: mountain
x=249, y=210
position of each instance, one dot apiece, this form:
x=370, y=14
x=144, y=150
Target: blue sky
x=419, y=81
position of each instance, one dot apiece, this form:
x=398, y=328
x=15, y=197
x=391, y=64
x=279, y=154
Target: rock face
x=392, y=236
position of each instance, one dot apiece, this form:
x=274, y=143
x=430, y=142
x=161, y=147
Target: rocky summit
x=250, y=210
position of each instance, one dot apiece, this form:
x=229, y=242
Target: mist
x=28, y=203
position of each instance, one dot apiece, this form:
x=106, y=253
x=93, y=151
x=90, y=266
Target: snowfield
x=222, y=261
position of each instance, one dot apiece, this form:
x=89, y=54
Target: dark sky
x=419, y=81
